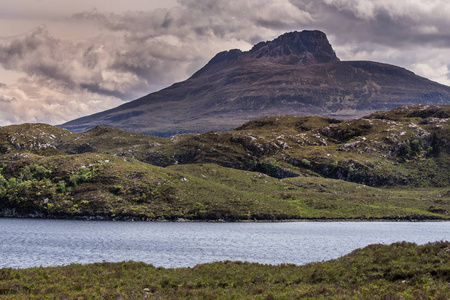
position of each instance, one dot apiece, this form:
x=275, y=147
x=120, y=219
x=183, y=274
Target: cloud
x=219, y=18
x=138, y=52
x=66, y=64
x=386, y=22
x=33, y=101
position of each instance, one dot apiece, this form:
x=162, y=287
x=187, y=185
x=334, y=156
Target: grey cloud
x=167, y=45
x=83, y=65
x=386, y=22
x=97, y=89
x=219, y=18
x=37, y=54
x=34, y=101
x=6, y=99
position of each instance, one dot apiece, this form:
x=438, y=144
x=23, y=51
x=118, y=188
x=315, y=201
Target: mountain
x=296, y=74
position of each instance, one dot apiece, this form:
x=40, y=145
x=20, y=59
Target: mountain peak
x=306, y=47
x=295, y=48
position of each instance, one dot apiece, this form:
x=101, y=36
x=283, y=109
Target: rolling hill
x=387, y=165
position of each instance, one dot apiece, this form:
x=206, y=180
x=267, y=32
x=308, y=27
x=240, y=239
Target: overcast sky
x=63, y=59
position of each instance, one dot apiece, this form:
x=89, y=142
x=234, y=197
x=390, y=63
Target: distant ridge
x=296, y=74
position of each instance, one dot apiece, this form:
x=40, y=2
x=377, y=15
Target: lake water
x=27, y=242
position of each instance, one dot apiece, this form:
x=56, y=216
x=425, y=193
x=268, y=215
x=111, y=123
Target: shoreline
x=101, y=218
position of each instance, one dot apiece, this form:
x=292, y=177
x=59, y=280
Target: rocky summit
x=294, y=48
x=296, y=74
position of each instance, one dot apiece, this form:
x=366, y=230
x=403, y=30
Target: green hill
x=388, y=165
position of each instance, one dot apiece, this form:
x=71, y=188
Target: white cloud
x=32, y=101
x=411, y=9
x=438, y=73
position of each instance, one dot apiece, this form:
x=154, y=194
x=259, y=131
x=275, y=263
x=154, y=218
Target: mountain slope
x=296, y=74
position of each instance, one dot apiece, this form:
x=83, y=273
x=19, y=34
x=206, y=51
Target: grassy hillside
x=398, y=271
x=390, y=165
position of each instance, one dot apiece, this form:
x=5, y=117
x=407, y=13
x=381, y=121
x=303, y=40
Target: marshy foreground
x=398, y=271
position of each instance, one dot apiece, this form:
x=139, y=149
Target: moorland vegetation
x=387, y=165
x=398, y=271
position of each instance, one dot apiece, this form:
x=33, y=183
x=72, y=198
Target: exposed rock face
x=293, y=48
x=296, y=74
x=306, y=47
